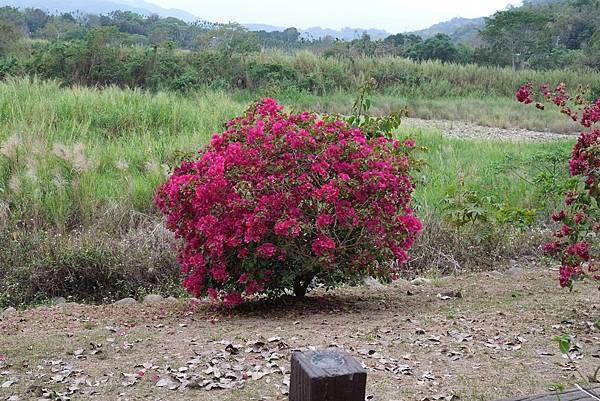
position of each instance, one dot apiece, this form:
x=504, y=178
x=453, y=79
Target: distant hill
x=538, y=2
x=100, y=7
x=318, y=32
x=462, y=30
x=263, y=27
x=345, y=33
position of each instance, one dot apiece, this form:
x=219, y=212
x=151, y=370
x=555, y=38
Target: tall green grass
x=403, y=77
x=501, y=112
x=69, y=155
x=491, y=167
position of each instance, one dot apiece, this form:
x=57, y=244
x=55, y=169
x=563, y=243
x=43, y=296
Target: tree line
x=128, y=49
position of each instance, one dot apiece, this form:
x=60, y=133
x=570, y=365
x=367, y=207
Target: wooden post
x=327, y=375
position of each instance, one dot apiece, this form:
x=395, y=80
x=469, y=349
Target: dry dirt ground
x=474, y=337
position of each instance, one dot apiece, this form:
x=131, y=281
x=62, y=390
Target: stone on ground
x=372, y=283
x=151, y=298
x=126, y=301
x=58, y=301
x=420, y=281
x=515, y=270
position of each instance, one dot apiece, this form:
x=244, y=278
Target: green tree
x=592, y=51
x=439, y=47
x=166, y=29
x=129, y=22
x=35, y=19
x=9, y=33
x=519, y=35
x=229, y=39
x=11, y=27
x=62, y=27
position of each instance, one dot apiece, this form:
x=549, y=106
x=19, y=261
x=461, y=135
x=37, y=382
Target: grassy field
x=277, y=71
x=79, y=167
x=479, y=164
x=492, y=111
x=69, y=154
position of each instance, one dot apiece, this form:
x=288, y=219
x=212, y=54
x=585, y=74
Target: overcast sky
x=391, y=15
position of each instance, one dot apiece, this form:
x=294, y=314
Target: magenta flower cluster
x=278, y=199
x=575, y=240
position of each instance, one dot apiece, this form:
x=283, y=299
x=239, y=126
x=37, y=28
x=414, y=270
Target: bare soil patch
x=481, y=336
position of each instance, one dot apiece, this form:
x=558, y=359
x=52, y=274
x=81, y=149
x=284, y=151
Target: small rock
x=420, y=281
x=35, y=390
x=166, y=382
x=10, y=309
x=452, y=294
x=152, y=298
x=126, y=301
x=7, y=384
x=58, y=301
x=373, y=283
x=515, y=271
x=400, y=282
x=172, y=299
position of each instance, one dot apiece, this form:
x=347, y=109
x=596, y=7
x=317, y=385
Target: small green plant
x=557, y=388
x=565, y=345
x=483, y=215
x=373, y=126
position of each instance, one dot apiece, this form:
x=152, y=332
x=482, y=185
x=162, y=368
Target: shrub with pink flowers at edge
x=576, y=240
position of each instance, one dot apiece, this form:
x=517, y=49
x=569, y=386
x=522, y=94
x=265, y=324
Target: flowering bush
x=277, y=200
x=576, y=242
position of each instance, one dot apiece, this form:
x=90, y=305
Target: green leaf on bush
x=598, y=324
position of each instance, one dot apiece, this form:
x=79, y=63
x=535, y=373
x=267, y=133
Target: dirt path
x=460, y=129
x=493, y=341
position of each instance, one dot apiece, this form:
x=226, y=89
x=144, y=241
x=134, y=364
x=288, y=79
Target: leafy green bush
x=484, y=216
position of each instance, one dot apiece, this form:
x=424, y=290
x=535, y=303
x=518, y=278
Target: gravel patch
x=461, y=129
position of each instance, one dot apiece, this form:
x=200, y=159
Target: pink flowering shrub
x=576, y=241
x=277, y=200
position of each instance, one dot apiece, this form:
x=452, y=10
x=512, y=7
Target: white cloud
x=394, y=16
